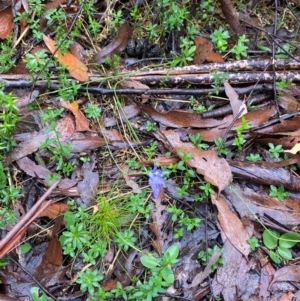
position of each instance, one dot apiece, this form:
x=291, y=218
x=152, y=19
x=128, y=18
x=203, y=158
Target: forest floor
x=149, y=150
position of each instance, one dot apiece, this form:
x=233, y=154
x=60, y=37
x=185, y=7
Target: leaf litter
x=201, y=195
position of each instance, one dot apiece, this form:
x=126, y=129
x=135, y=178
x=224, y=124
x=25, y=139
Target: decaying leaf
x=204, y=52
x=178, y=119
x=158, y=221
x=126, y=113
x=82, y=124
x=130, y=182
x=65, y=126
x=237, y=105
x=232, y=226
x=294, y=150
x=32, y=169
x=135, y=85
x=207, y=163
x=77, y=69
x=287, y=273
x=288, y=102
x=54, y=210
x=118, y=44
x=6, y=22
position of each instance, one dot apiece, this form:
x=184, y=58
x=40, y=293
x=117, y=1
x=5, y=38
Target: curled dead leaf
x=82, y=124
x=204, y=52
x=117, y=45
x=232, y=226
x=6, y=22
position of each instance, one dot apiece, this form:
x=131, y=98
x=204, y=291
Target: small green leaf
x=25, y=248
x=285, y=253
x=173, y=251
x=149, y=261
x=167, y=275
x=270, y=238
x=275, y=257
x=69, y=218
x=288, y=240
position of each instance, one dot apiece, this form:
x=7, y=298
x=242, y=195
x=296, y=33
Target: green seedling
x=254, y=157
x=275, y=151
x=92, y=111
x=188, y=49
x=240, y=49
x=279, y=245
x=207, y=7
x=219, y=38
x=89, y=281
x=253, y=242
x=197, y=141
x=183, y=220
x=239, y=140
x=6, y=56
x=221, y=149
x=202, y=257
x=278, y=192
x=218, y=82
x=150, y=126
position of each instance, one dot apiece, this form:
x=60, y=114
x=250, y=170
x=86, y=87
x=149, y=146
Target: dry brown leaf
x=117, y=45
x=32, y=169
x=157, y=225
x=54, y=210
x=136, y=85
x=6, y=22
x=288, y=102
x=82, y=124
x=126, y=113
x=287, y=273
x=285, y=213
x=178, y=119
x=236, y=104
x=77, y=69
x=204, y=52
x=232, y=226
x=207, y=163
x=78, y=51
x=65, y=126
x=129, y=181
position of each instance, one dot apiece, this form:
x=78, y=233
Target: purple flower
x=156, y=181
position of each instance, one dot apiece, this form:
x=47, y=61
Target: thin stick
x=27, y=216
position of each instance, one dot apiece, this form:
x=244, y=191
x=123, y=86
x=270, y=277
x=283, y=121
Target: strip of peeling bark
x=207, y=79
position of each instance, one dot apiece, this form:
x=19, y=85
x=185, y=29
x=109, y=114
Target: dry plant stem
x=29, y=216
x=166, y=91
x=207, y=79
x=242, y=65
x=33, y=278
x=231, y=16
